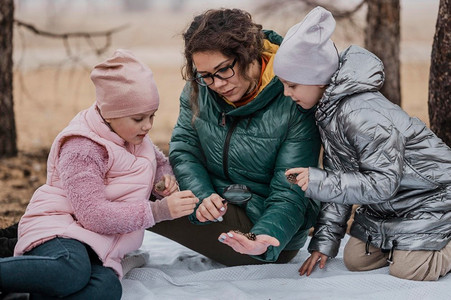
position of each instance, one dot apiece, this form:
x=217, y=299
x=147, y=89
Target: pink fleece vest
x=130, y=176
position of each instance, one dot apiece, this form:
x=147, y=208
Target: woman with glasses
x=235, y=137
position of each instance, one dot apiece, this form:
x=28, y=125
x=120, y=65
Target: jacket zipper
x=225, y=153
x=223, y=119
x=108, y=252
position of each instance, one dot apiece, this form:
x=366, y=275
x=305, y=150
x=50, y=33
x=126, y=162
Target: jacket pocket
x=414, y=179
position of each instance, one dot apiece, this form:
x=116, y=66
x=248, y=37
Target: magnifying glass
x=237, y=194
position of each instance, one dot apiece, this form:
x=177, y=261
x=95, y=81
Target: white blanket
x=170, y=271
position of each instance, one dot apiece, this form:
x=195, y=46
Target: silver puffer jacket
x=392, y=165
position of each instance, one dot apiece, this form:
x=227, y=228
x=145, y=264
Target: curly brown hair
x=228, y=31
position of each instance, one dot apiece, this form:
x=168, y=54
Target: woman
x=237, y=127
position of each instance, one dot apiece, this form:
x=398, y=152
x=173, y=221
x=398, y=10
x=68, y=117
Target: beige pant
x=413, y=265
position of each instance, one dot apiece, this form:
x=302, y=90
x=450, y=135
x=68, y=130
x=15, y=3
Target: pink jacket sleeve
x=82, y=167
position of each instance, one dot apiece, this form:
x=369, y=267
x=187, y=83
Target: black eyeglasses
x=223, y=73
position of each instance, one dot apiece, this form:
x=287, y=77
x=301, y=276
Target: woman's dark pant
x=204, y=238
x=59, y=268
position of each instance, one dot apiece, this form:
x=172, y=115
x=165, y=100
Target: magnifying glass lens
x=237, y=194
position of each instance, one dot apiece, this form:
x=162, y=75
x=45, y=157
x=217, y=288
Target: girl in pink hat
x=94, y=207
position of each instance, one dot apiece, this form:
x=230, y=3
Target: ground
x=20, y=176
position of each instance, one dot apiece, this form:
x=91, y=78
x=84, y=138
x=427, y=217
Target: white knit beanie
x=307, y=54
x=124, y=86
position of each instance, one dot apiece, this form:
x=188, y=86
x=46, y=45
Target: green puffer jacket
x=251, y=145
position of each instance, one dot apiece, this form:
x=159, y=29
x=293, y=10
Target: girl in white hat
x=375, y=155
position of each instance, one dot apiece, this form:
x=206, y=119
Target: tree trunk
x=439, y=102
x=8, y=143
x=382, y=37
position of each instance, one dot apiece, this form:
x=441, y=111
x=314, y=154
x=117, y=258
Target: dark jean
x=60, y=268
x=204, y=238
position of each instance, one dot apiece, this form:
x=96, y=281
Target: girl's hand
x=301, y=178
x=181, y=203
x=243, y=245
x=212, y=209
x=170, y=186
x=310, y=263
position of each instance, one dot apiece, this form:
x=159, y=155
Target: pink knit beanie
x=124, y=86
x=307, y=55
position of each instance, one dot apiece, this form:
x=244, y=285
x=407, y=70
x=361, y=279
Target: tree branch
x=338, y=14
x=74, y=55
x=65, y=36
x=69, y=34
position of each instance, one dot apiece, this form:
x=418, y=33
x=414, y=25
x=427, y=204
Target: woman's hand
x=243, y=245
x=181, y=203
x=170, y=185
x=212, y=209
x=309, y=264
x=301, y=178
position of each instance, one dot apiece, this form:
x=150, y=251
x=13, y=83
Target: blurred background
x=51, y=75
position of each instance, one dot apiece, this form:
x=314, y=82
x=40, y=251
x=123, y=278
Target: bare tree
x=439, y=81
x=8, y=136
x=8, y=144
x=382, y=37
